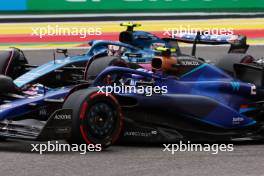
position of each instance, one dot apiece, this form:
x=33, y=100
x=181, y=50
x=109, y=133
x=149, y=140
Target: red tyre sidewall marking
x=82, y=115
x=83, y=110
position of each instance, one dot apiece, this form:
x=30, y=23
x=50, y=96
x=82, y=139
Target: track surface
x=246, y=160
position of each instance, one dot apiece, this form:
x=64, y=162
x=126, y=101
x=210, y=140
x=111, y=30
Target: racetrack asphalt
x=16, y=158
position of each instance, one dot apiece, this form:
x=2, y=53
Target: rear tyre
x=12, y=63
x=97, y=118
x=227, y=62
x=97, y=65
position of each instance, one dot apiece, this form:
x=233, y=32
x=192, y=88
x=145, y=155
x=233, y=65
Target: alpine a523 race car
x=66, y=98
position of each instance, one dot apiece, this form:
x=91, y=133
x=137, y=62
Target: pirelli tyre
x=227, y=62
x=97, y=118
x=12, y=63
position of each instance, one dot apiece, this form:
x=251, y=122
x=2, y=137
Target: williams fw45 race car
x=67, y=97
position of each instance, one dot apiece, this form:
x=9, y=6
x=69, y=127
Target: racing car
x=61, y=100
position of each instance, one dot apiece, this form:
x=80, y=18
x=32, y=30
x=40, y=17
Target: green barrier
x=145, y=5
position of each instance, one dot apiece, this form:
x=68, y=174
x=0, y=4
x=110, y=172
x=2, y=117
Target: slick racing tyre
x=227, y=62
x=97, y=65
x=97, y=118
x=11, y=63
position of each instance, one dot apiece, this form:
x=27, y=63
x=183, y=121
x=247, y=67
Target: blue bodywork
x=202, y=86
x=20, y=107
x=204, y=81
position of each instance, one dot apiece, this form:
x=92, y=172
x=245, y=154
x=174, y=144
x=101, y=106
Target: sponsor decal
x=237, y=120
x=189, y=63
x=235, y=85
x=253, y=90
x=63, y=117
x=140, y=133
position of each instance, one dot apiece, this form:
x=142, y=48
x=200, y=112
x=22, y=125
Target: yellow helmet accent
x=166, y=49
x=130, y=24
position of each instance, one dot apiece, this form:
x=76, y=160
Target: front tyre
x=97, y=118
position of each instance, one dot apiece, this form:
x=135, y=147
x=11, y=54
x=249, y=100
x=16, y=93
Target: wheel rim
x=100, y=120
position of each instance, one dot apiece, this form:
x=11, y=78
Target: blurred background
x=88, y=6
x=21, y=22
x=20, y=18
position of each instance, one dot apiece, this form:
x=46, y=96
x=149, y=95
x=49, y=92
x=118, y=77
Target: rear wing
x=238, y=42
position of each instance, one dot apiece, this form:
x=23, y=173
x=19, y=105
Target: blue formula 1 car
x=67, y=98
